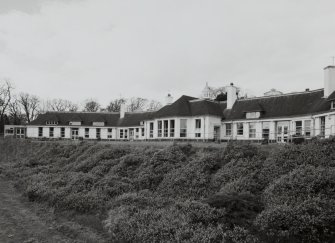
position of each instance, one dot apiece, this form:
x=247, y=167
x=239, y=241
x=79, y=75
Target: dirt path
x=21, y=221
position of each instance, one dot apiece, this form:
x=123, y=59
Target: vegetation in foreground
x=243, y=193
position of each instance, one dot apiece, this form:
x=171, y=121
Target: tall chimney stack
x=122, y=110
x=231, y=95
x=329, y=80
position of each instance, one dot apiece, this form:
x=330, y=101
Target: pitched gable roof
x=281, y=105
x=331, y=97
x=180, y=107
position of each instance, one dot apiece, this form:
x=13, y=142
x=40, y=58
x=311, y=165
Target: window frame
x=40, y=132
x=240, y=130
x=308, y=128
x=151, y=129
x=62, y=132
x=183, y=129
x=165, y=128
x=252, y=129
x=298, y=129
x=159, y=128
x=172, y=128
x=228, y=131
x=51, y=132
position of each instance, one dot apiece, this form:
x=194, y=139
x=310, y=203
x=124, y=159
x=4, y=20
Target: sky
x=107, y=49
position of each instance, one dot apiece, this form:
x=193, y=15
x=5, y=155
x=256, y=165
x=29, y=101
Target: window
x=166, y=128
x=159, y=129
x=98, y=124
x=87, y=132
x=228, y=129
x=240, y=128
x=40, y=131
x=266, y=130
x=183, y=128
x=142, y=132
x=62, y=132
x=125, y=133
x=252, y=130
x=51, y=122
x=109, y=133
x=253, y=115
x=197, y=123
x=10, y=131
x=172, y=128
x=151, y=129
x=121, y=133
x=75, y=123
x=98, y=133
x=332, y=104
x=298, y=127
x=308, y=128
x=51, y=132
x=198, y=135
x=322, y=125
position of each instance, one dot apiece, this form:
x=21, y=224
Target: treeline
x=21, y=108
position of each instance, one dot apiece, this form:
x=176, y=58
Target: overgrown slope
x=243, y=193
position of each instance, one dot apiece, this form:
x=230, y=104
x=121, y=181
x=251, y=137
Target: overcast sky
x=104, y=49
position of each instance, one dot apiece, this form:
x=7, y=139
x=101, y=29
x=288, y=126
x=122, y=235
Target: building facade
x=278, y=118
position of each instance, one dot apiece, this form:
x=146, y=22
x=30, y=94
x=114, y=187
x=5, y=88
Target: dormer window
x=98, y=124
x=253, y=115
x=52, y=123
x=332, y=105
x=75, y=123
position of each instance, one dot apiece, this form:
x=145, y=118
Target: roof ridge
x=281, y=95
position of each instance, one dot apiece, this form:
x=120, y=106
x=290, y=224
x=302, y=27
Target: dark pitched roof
x=87, y=118
x=190, y=106
x=253, y=107
x=305, y=103
x=331, y=96
x=180, y=107
x=134, y=119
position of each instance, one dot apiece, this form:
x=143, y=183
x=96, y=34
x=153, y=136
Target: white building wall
x=32, y=132
x=57, y=132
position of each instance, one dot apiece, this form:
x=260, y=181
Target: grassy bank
x=240, y=193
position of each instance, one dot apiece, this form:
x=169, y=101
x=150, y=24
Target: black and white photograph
x=167, y=121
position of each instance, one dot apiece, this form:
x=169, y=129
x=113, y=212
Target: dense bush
x=178, y=193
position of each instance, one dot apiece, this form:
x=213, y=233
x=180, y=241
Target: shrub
x=301, y=205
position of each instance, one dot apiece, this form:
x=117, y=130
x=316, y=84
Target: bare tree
x=61, y=105
x=5, y=98
x=30, y=105
x=15, y=112
x=91, y=106
x=137, y=104
x=154, y=105
x=115, y=105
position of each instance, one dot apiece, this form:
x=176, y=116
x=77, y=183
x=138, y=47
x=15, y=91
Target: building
x=276, y=117
x=273, y=92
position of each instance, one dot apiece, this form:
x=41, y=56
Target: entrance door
x=282, y=132
x=74, y=133
x=217, y=133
